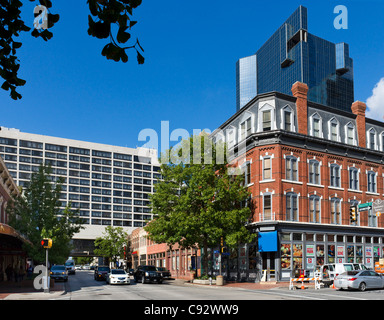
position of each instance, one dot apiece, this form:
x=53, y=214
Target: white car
x=118, y=276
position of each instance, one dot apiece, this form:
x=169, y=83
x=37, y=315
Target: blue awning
x=267, y=241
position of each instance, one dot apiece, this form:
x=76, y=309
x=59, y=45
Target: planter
x=204, y=282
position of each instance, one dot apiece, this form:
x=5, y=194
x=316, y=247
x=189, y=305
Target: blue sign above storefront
x=267, y=241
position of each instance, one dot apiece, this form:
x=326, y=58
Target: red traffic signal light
x=46, y=243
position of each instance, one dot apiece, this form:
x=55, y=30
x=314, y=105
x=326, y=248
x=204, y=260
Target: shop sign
x=368, y=252
x=310, y=250
x=340, y=251
x=310, y=263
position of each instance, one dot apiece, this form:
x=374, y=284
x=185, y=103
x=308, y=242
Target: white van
x=70, y=266
x=328, y=272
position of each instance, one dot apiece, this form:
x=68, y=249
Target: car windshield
x=161, y=269
x=58, y=268
x=69, y=263
x=150, y=268
x=103, y=268
x=117, y=271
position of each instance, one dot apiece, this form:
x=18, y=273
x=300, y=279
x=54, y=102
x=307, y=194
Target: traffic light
x=353, y=214
x=46, y=243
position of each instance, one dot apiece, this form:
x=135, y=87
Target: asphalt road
x=82, y=286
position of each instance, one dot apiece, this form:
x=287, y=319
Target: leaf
x=122, y=36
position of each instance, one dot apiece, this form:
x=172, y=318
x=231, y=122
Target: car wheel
x=362, y=286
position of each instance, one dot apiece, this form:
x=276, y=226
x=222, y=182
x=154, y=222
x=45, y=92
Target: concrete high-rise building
x=293, y=54
x=110, y=185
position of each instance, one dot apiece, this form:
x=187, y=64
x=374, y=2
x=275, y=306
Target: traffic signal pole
x=47, y=283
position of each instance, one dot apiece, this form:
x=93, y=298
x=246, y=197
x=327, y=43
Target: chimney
x=300, y=90
x=358, y=108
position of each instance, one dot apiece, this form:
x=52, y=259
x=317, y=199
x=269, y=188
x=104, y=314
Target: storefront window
x=320, y=255
x=285, y=256
x=351, y=253
x=297, y=256
x=359, y=254
x=331, y=253
x=340, y=254
x=252, y=257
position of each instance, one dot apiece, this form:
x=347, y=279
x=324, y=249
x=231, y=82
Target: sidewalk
x=26, y=291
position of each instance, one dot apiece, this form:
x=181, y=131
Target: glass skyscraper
x=292, y=54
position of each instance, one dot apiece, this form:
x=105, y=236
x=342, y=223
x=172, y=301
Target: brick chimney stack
x=358, y=108
x=300, y=90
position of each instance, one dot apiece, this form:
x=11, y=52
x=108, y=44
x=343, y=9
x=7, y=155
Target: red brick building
x=11, y=252
x=306, y=164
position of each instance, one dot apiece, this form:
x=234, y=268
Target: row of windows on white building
x=266, y=122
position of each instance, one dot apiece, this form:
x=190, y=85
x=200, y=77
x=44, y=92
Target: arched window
x=371, y=139
x=314, y=209
x=335, y=175
x=353, y=178
x=316, y=124
x=335, y=211
x=291, y=206
x=314, y=171
x=291, y=168
x=350, y=134
x=334, y=130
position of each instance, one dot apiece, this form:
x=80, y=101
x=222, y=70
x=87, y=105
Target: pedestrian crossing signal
x=46, y=243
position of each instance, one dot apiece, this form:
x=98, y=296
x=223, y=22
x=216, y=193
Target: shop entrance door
x=269, y=270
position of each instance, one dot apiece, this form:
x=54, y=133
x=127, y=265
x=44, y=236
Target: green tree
x=36, y=214
x=198, y=202
x=111, y=245
x=104, y=15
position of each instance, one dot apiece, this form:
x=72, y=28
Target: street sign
x=365, y=206
x=378, y=207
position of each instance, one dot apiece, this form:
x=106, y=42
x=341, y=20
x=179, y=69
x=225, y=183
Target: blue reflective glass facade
x=292, y=54
x=246, y=85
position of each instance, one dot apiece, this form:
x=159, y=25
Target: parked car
x=164, y=272
x=359, y=279
x=59, y=272
x=118, y=276
x=87, y=267
x=77, y=267
x=148, y=274
x=101, y=272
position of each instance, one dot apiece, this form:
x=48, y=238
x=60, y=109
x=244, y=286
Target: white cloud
x=375, y=103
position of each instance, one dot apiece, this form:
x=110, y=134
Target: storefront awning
x=267, y=241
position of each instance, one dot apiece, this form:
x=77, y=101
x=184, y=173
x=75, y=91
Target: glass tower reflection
x=292, y=54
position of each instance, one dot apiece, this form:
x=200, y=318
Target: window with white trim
x=334, y=130
x=335, y=175
x=291, y=171
x=245, y=128
x=350, y=134
x=371, y=181
x=371, y=139
x=267, y=206
x=267, y=168
x=316, y=125
x=353, y=178
x=314, y=208
x=314, y=171
x=288, y=119
x=335, y=211
x=291, y=206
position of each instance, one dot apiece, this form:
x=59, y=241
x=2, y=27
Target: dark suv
x=147, y=274
x=101, y=272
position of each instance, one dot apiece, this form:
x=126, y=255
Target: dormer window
x=371, y=141
x=334, y=130
x=316, y=124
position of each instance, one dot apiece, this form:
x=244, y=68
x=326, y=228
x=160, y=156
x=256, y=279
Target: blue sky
x=188, y=77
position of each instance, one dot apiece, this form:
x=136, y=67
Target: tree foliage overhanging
x=198, y=202
x=104, y=15
x=36, y=215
